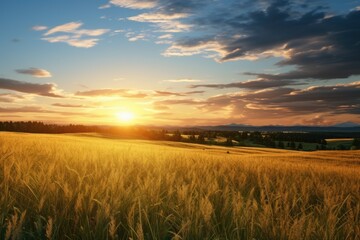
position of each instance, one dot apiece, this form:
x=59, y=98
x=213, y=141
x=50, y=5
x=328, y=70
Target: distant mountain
x=346, y=125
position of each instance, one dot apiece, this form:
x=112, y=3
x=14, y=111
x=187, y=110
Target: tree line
x=282, y=140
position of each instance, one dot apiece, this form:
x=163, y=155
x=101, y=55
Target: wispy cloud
x=35, y=72
x=179, y=94
x=166, y=36
x=129, y=93
x=105, y=6
x=69, y=105
x=47, y=89
x=108, y=92
x=157, y=17
x=9, y=97
x=73, y=35
x=136, y=4
x=39, y=28
x=183, y=80
x=251, y=84
x=132, y=37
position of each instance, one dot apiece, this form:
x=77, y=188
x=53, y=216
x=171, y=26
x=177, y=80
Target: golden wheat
x=78, y=187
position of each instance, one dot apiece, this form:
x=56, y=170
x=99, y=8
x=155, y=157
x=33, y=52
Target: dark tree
x=300, y=146
x=229, y=142
x=201, y=138
x=356, y=143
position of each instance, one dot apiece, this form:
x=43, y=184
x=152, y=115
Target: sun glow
x=126, y=117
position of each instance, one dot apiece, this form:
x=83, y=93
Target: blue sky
x=178, y=62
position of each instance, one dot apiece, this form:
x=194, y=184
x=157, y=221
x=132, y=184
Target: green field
x=88, y=187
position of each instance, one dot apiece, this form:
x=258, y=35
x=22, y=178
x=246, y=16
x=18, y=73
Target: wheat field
x=86, y=187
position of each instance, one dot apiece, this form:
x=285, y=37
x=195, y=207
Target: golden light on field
x=126, y=117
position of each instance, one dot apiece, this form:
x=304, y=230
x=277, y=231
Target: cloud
x=284, y=104
x=132, y=37
x=25, y=109
x=251, y=84
x=40, y=110
x=39, y=28
x=9, y=97
x=183, y=80
x=67, y=27
x=281, y=102
x=166, y=36
x=47, y=89
x=107, y=92
x=105, y=6
x=179, y=102
x=318, y=42
x=73, y=35
x=69, y=105
x=128, y=93
x=157, y=17
x=35, y=72
x=136, y=4
x=166, y=93
x=81, y=43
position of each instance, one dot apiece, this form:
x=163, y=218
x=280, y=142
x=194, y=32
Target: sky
x=180, y=62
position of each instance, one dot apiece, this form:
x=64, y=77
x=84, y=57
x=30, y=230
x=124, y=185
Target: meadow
x=88, y=187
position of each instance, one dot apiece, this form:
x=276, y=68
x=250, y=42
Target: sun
x=125, y=117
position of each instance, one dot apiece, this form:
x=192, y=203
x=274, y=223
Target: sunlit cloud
x=133, y=36
x=73, y=35
x=183, y=80
x=157, y=17
x=35, y=72
x=129, y=93
x=166, y=36
x=75, y=42
x=69, y=105
x=9, y=97
x=67, y=27
x=112, y=92
x=136, y=4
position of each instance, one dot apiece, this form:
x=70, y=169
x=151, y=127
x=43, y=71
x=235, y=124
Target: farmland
x=88, y=187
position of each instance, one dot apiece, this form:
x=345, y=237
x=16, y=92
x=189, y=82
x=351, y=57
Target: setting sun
x=125, y=116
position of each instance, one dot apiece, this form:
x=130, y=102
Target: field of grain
x=83, y=187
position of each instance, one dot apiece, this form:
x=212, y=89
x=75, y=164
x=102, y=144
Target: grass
x=84, y=187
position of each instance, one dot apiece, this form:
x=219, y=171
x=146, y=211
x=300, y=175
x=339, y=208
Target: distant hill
x=342, y=127
x=346, y=125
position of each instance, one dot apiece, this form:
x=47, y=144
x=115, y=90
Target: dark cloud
x=252, y=84
x=319, y=43
x=180, y=94
x=281, y=102
x=46, y=89
x=35, y=72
